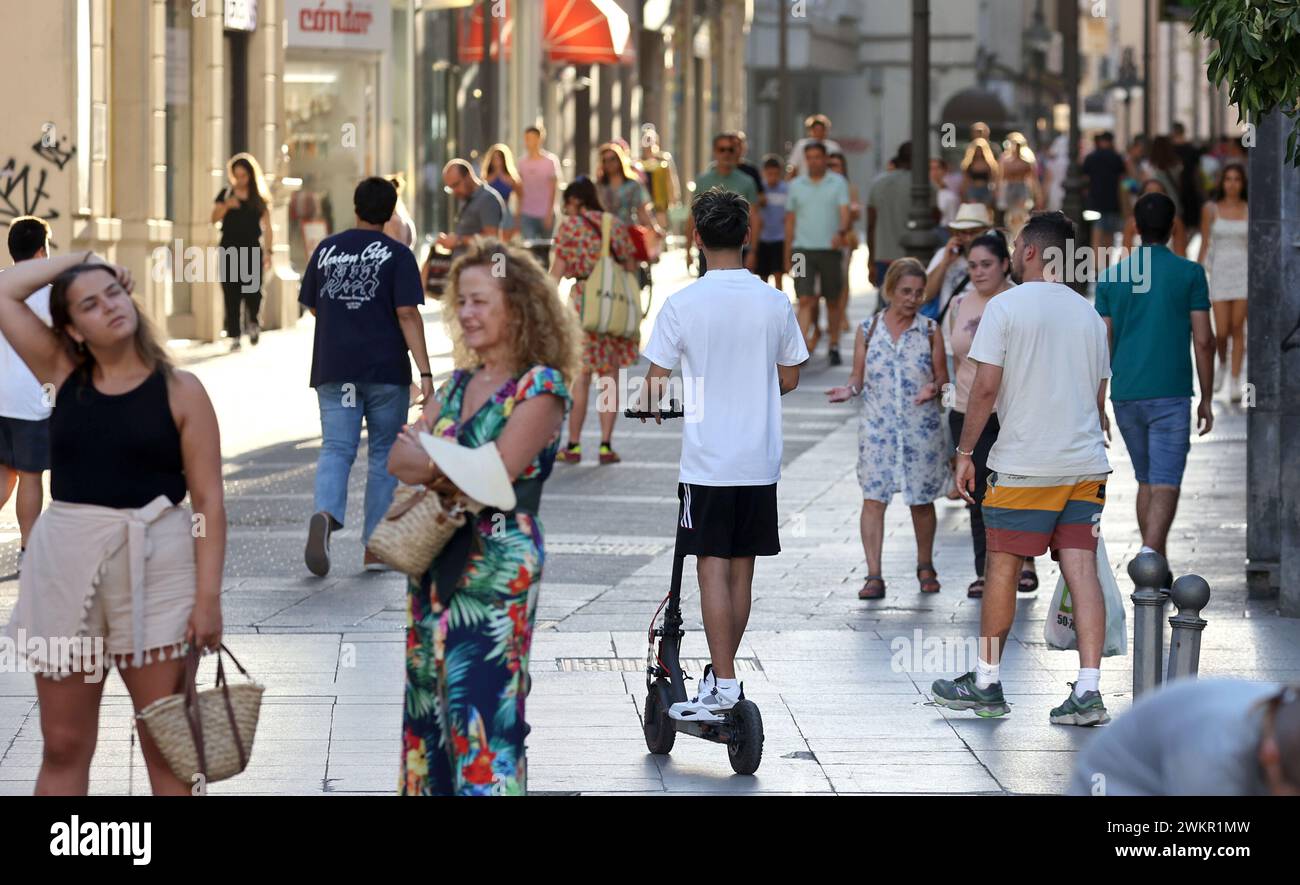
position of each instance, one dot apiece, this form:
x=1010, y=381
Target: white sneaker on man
x=707, y=705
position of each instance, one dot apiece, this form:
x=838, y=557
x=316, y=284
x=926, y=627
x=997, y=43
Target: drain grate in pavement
x=598, y=549
x=637, y=665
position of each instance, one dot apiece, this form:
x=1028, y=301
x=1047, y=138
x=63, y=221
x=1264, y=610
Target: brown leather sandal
x=930, y=584
x=872, y=588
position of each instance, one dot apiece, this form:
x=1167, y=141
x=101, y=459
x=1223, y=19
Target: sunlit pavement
x=842, y=684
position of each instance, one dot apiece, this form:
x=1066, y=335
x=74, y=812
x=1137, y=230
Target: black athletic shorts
x=771, y=258
x=727, y=521
x=25, y=445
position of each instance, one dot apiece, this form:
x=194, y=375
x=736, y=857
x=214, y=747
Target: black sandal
x=976, y=589
x=1028, y=581
x=930, y=584
x=870, y=592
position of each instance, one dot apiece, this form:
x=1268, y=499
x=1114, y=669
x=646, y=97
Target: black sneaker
x=317, y=553
x=835, y=356
x=254, y=333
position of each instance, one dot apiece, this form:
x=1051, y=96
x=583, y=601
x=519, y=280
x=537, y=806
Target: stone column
x=138, y=152
x=1273, y=355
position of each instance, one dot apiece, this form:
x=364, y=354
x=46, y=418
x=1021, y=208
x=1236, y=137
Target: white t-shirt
x=800, y=162
x=729, y=330
x=20, y=393
x=1051, y=345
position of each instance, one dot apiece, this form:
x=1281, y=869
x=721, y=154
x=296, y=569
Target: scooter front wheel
x=660, y=732
x=745, y=749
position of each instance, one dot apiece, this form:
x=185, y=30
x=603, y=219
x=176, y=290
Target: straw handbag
x=418, y=525
x=206, y=733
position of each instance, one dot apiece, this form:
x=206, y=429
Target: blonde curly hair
x=543, y=327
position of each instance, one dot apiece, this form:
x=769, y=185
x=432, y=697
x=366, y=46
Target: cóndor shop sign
x=338, y=24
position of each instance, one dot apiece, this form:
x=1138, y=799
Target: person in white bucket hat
x=946, y=274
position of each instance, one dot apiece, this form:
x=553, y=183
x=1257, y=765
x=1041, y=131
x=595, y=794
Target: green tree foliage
x=1257, y=57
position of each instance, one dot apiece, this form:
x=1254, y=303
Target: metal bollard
x=1190, y=593
x=1148, y=572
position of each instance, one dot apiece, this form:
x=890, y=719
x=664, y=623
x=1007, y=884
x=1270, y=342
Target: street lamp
x=1125, y=86
x=1038, y=39
x=920, y=240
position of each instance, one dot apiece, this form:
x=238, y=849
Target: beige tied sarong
x=66, y=557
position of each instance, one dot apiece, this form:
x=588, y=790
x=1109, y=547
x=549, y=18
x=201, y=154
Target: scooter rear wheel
x=745, y=749
x=660, y=732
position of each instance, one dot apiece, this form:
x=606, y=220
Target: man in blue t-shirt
x=1151, y=387
x=364, y=289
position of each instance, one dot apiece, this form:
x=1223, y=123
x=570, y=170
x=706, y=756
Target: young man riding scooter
x=740, y=348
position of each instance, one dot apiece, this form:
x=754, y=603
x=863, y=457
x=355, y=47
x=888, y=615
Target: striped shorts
x=1028, y=515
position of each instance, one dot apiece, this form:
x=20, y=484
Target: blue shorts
x=1158, y=434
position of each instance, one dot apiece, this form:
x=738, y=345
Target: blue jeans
x=1158, y=433
x=342, y=406
x=533, y=228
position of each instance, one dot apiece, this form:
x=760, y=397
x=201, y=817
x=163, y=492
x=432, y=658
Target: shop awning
x=578, y=32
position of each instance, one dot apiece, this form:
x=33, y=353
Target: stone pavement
x=842, y=684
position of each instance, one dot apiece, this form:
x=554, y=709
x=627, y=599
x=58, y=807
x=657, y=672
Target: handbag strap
x=192, y=707
x=230, y=708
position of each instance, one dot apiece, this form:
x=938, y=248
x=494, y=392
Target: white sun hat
x=971, y=216
x=479, y=473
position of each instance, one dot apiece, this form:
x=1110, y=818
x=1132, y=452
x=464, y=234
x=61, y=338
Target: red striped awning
x=580, y=32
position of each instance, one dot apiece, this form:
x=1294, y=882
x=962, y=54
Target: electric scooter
x=740, y=728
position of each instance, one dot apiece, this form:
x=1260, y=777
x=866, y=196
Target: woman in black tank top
x=129, y=437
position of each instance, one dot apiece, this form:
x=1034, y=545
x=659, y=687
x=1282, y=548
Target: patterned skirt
x=605, y=354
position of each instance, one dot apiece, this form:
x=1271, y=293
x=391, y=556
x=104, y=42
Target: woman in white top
x=1223, y=253
x=988, y=263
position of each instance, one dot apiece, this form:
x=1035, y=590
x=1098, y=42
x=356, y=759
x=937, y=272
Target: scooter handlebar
x=674, y=411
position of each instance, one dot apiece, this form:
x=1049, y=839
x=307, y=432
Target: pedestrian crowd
x=968, y=356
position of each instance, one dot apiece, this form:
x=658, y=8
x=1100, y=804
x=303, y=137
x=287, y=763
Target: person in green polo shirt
x=1152, y=304
x=726, y=175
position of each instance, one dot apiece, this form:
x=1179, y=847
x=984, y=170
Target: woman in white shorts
x=116, y=571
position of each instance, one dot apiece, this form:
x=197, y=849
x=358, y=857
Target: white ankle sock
x=985, y=674
x=1089, y=680
x=728, y=687
x=1146, y=549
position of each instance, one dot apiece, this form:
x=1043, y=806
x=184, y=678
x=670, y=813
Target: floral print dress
x=463, y=723
x=900, y=444
x=577, y=242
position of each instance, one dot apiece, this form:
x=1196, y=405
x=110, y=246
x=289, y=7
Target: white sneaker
x=706, y=706
x=1218, y=379
x=1236, y=388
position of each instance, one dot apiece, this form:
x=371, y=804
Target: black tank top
x=115, y=451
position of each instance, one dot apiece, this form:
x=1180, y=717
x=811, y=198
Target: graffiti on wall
x=23, y=187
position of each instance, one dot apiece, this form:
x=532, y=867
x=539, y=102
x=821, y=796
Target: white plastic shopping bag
x=1058, y=630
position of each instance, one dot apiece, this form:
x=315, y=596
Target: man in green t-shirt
x=726, y=175
x=1152, y=304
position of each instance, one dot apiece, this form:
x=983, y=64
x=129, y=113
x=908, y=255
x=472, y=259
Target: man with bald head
x=482, y=214
x=1198, y=737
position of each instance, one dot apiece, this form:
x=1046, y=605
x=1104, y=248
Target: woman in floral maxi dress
x=517, y=348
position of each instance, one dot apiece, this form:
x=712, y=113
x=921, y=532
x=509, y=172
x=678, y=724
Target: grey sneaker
x=317, y=553
x=1086, y=710
x=963, y=694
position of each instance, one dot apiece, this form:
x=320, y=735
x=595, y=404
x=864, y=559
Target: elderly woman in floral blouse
x=575, y=253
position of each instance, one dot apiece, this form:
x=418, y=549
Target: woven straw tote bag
x=206, y=733
x=418, y=525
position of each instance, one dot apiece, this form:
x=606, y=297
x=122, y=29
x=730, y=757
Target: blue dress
x=900, y=444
